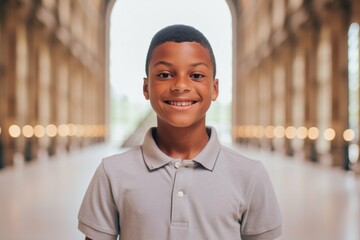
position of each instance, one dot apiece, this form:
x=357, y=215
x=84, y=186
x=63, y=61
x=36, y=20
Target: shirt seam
x=96, y=227
x=263, y=230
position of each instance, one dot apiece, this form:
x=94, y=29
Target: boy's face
x=180, y=84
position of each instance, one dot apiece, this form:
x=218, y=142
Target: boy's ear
x=146, y=88
x=215, y=89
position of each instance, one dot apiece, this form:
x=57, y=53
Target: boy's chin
x=181, y=123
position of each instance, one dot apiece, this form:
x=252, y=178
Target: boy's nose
x=181, y=84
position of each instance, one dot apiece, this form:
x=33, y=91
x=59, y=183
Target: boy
x=180, y=183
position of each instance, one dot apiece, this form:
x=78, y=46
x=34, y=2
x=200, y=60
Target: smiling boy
x=181, y=183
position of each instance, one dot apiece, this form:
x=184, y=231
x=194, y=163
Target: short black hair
x=179, y=33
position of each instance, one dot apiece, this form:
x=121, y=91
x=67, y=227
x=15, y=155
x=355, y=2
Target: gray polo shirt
x=143, y=194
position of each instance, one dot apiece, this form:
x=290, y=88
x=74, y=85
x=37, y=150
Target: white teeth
x=181, y=104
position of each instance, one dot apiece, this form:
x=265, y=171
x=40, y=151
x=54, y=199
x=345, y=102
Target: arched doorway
x=132, y=26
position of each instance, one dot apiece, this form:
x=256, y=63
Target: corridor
x=40, y=200
x=295, y=88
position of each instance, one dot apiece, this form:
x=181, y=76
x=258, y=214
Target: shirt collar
x=208, y=156
x=155, y=158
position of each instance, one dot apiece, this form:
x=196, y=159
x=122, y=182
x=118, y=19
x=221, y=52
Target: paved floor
x=317, y=202
x=40, y=201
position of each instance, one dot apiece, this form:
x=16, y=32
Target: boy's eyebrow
x=163, y=63
x=200, y=63
x=170, y=64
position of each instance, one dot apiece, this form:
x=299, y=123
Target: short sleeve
x=262, y=219
x=98, y=216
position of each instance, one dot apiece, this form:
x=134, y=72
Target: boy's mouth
x=180, y=103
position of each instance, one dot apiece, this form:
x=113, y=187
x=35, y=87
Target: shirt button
x=180, y=194
x=177, y=164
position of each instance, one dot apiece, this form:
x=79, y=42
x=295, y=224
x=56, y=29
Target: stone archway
x=135, y=25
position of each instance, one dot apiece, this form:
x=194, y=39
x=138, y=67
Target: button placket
x=177, y=165
x=182, y=180
x=180, y=194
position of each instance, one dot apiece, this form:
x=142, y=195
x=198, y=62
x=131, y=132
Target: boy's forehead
x=179, y=33
x=177, y=48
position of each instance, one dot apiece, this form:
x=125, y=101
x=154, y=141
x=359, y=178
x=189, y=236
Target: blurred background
x=71, y=74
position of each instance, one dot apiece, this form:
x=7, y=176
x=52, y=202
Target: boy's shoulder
x=123, y=152
x=233, y=154
x=237, y=160
x=124, y=158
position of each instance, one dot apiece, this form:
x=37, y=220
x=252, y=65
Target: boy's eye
x=197, y=76
x=165, y=75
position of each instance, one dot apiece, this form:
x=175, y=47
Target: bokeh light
x=349, y=135
x=73, y=129
x=28, y=131
x=313, y=133
x=247, y=132
x=240, y=131
x=290, y=132
x=279, y=131
x=301, y=132
x=260, y=131
x=39, y=131
x=269, y=131
x=63, y=130
x=51, y=130
x=329, y=134
x=80, y=130
x=353, y=153
x=14, y=131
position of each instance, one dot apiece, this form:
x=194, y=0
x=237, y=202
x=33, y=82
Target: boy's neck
x=183, y=143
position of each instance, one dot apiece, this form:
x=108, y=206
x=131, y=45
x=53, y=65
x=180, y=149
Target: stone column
x=2, y=83
x=75, y=100
x=56, y=63
x=278, y=111
x=239, y=78
x=62, y=93
x=287, y=56
x=339, y=30
x=311, y=90
x=44, y=90
x=8, y=81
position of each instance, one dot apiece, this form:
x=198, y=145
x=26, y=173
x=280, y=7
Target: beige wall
x=53, y=76
x=292, y=75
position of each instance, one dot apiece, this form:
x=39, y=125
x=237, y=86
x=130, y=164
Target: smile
x=180, y=103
